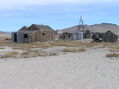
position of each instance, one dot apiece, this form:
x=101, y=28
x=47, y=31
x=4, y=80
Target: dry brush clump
x=74, y=50
x=22, y=48
x=82, y=50
x=69, y=50
x=31, y=53
x=26, y=46
x=43, y=45
x=5, y=39
x=2, y=47
x=112, y=55
x=53, y=54
x=12, y=54
x=114, y=49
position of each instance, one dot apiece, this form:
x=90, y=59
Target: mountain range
x=103, y=27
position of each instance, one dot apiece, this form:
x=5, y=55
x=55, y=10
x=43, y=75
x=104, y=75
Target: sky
x=58, y=14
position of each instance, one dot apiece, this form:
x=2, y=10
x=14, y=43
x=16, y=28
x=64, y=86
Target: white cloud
x=7, y=4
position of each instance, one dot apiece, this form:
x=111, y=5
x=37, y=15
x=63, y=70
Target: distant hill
x=4, y=34
x=103, y=27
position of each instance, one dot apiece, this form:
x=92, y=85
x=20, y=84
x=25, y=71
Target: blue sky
x=58, y=14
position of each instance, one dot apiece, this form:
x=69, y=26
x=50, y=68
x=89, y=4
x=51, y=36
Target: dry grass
x=18, y=48
x=10, y=55
x=81, y=44
x=4, y=42
x=2, y=48
x=82, y=50
x=25, y=46
x=31, y=53
x=35, y=53
x=112, y=55
x=74, y=50
x=69, y=50
x=53, y=54
x=114, y=49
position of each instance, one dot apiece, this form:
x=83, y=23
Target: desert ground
x=59, y=65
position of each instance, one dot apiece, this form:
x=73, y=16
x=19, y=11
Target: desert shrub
x=25, y=53
x=32, y=53
x=53, y=54
x=82, y=50
x=112, y=55
x=18, y=48
x=69, y=50
x=2, y=48
x=10, y=55
x=114, y=49
x=74, y=50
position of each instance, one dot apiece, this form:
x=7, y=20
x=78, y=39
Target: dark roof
x=67, y=33
x=35, y=27
x=23, y=28
x=42, y=27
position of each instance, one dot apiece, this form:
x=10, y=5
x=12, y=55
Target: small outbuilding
x=86, y=34
x=67, y=36
x=105, y=37
x=109, y=37
x=78, y=35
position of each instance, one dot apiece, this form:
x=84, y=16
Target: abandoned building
x=58, y=35
x=67, y=36
x=34, y=33
x=74, y=35
x=78, y=35
x=109, y=37
x=105, y=37
x=97, y=37
x=86, y=34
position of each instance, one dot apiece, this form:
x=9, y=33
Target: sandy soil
x=86, y=70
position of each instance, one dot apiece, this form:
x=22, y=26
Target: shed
x=109, y=37
x=105, y=37
x=86, y=34
x=77, y=35
x=67, y=36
